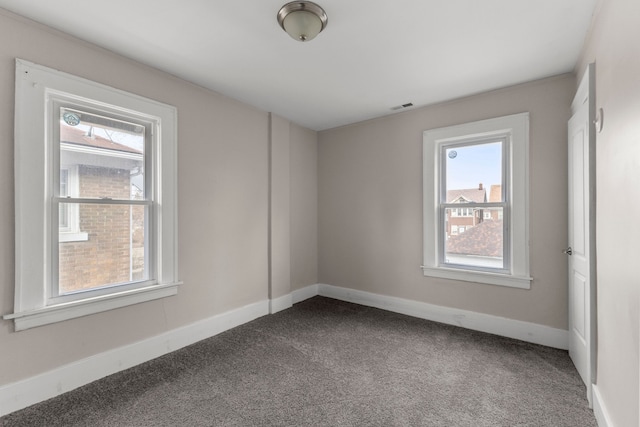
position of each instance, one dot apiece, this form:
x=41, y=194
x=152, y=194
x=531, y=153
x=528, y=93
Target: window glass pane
x=64, y=182
x=474, y=173
x=476, y=240
x=108, y=154
x=114, y=252
x=63, y=217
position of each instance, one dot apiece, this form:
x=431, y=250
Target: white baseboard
x=524, y=331
x=600, y=410
x=280, y=303
x=32, y=390
x=41, y=387
x=307, y=292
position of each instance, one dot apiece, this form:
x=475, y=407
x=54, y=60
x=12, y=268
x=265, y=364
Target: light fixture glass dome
x=302, y=20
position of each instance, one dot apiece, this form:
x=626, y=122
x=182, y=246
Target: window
x=461, y=165
x=491, y=240
x=101, y=231
x=111, y=199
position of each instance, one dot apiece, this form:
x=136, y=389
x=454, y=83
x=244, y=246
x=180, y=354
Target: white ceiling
x=372, y=56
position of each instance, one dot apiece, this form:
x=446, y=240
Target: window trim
x=33, y=201
x=515, y=128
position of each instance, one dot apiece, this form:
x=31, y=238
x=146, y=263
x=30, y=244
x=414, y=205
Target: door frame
x=586, y=93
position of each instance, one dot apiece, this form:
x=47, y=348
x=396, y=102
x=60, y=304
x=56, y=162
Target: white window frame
x=515, y=131
x=36, y=87
x=470, y=212
x=56, y=103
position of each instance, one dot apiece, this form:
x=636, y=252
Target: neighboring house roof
x=77, y=136
x=484, y=239
x=495, y=193
x=478, y=195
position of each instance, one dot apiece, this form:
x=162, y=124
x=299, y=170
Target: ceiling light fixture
x=302, y=20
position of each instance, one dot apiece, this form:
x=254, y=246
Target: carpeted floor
x=330, y=363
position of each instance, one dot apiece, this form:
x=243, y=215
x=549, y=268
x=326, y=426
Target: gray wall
x=304, y=207
x=614, y=45
x=370, y=204
x=280, y=208
x=223, y=204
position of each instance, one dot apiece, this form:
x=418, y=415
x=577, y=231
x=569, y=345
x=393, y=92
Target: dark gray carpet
x=330, y=363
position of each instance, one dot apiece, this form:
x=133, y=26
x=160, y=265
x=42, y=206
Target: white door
x=582, y=234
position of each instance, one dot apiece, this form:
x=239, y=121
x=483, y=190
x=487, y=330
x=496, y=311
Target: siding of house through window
x=112, y=254
x=459, y=219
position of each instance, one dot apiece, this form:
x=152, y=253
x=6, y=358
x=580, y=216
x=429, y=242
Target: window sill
x=57, y=313
x=522, y=282
x=65, y=237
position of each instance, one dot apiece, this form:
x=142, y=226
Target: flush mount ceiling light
x=302, y=20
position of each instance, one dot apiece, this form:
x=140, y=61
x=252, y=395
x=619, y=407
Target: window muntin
x=100, y=145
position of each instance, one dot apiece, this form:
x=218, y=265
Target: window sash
x=58, y=104
x=473, y=205
x=54, y=295
x=465, y=210
x=506, y=233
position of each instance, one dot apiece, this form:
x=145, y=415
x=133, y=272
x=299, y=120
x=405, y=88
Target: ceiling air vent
x=400, y=107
